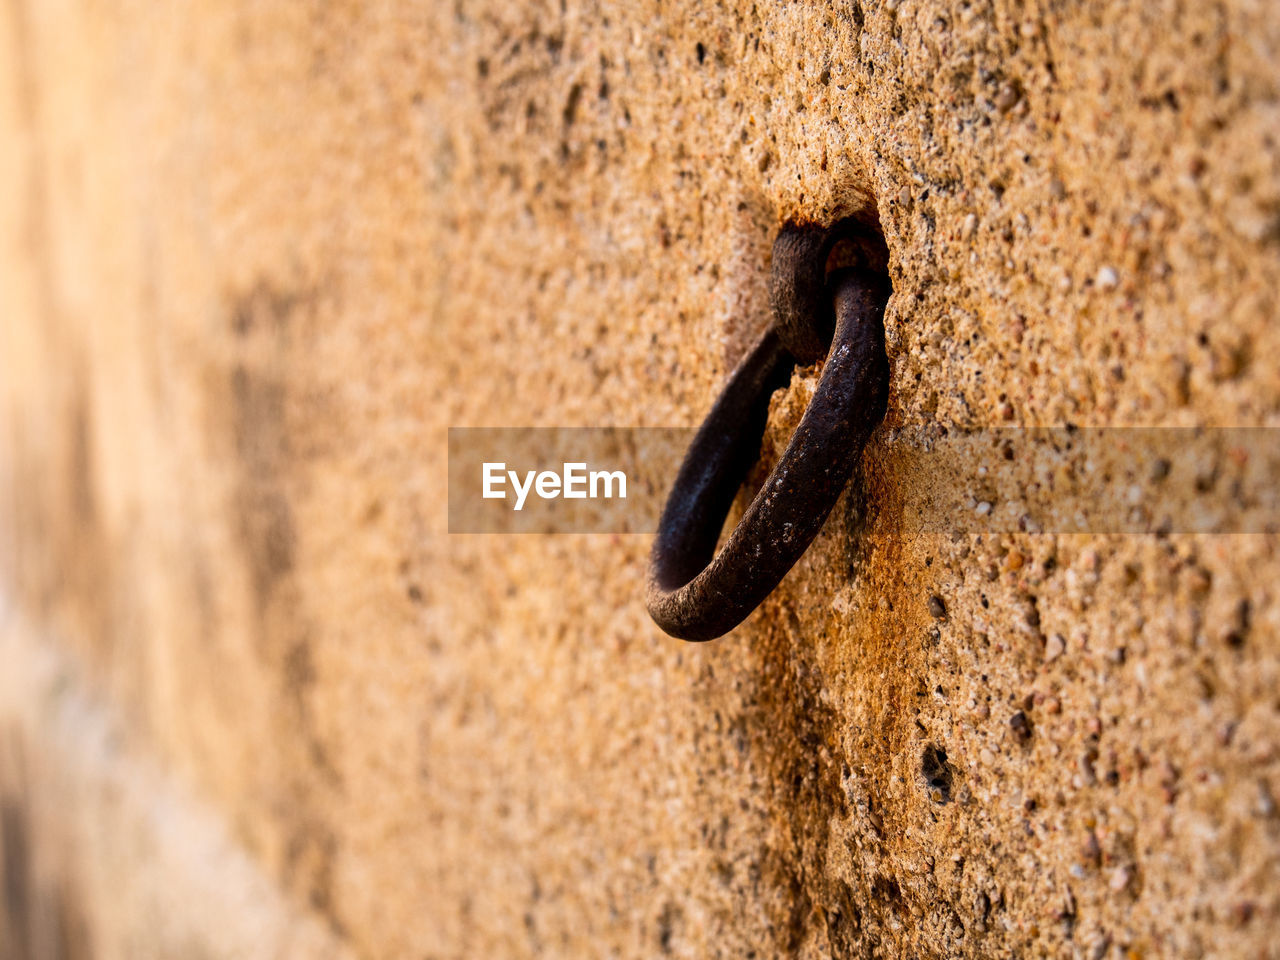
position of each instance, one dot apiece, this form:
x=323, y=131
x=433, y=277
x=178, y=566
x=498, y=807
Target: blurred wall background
x=255, y=701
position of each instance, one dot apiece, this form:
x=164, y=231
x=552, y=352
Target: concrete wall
x=256, y=702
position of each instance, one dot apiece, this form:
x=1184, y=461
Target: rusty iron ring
x=694, y=593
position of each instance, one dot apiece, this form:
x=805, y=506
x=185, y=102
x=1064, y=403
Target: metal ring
x=695, y=594
x=798, y=292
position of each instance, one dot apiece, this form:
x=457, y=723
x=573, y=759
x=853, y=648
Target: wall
x=255, y=258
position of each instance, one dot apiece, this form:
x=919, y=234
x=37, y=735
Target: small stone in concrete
x=1120, y=879
x=1054, y=648
x=1007, y=97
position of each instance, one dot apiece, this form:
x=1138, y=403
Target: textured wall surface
x=256, y=257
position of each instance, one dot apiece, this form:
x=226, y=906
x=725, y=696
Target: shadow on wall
x=40, y=916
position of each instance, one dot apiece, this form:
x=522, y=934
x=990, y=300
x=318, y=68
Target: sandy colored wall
x=255, y=258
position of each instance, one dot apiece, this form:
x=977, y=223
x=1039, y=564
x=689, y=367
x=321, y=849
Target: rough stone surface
x=256, y=257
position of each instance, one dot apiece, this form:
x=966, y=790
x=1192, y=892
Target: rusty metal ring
x=694, y=593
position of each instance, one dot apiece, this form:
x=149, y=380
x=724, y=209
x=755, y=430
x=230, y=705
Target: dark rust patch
x=267, y=378
x=266, y=521
x=40, y=913
x=266, y=307
x=309, y=862
x=15, y=859
x=797, y=740
x=83, y=485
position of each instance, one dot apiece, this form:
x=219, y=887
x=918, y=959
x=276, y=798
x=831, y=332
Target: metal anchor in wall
x=696, y=594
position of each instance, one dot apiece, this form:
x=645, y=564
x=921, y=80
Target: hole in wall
x=936, y=772
x=860, y=245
